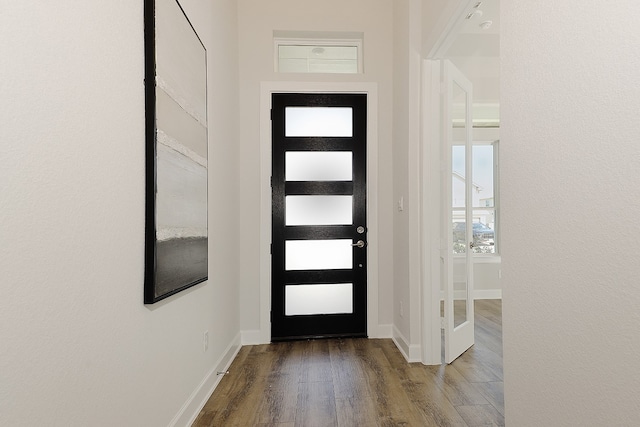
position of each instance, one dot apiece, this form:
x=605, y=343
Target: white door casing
x=262, y=335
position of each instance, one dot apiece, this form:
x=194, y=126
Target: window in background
x=484, y=198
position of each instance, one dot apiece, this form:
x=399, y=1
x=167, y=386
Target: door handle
x=359, y=244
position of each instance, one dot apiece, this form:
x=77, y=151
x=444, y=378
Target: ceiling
x=476, y=52
x=485, y=11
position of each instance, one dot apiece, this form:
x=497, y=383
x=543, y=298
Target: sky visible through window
x=482, y=165
x=482, y=194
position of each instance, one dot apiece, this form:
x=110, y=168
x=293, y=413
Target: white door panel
x=457, y=268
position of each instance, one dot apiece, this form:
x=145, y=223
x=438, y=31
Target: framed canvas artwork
x=176, y=254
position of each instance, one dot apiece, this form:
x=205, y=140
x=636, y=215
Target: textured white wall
x=257, y=21
x=570, y=99
x=78, y=347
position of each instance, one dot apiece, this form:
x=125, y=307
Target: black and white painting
x=176, y=126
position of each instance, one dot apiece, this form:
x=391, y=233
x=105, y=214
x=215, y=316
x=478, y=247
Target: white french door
x=457, y=227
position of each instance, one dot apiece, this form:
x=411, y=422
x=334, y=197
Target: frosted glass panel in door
x=335, y=298
x=318, y=166
x=318, y=121
x=319, y=210
x=318, y=254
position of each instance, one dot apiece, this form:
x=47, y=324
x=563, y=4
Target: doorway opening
x=473, y=50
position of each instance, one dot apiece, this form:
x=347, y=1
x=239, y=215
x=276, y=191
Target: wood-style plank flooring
x=362, y=382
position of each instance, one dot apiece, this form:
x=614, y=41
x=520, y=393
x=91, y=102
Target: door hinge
x=271, y=181
x=271, y=114
x=271, y=248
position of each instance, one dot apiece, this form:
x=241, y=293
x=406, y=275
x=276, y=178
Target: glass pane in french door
x=460, y=183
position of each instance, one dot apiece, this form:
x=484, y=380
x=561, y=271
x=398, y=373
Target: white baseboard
x=194, y=404
x=411, y=352
x=253, y=337
x=487, y=294
x=477, y=294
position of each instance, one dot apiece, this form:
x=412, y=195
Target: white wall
x=435, y=15
x=406, y=179
x=78, y=347
x=486, y=279
x=257, y=21
x=484, y=74
x=570, y=99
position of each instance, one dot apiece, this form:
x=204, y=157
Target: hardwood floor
x=362, y=382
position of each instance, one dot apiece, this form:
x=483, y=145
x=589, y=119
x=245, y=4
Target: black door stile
x=285, y=327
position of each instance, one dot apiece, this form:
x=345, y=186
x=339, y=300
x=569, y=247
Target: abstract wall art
x=176, y=240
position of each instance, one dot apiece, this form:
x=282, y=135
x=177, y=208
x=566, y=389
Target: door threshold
x=318, y=337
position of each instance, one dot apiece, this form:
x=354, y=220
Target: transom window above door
x=317, y=52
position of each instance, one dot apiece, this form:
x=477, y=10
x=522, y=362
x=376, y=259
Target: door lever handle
x=359, y=244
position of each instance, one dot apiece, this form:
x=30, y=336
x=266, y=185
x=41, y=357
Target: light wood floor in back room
x=362, y=382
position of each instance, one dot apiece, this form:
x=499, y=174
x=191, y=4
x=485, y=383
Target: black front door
x=319, y=224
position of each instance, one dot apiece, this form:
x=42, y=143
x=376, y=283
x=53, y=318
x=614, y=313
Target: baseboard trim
x=194, y=404
x=411, y=352
x=477, y=294
x=487, y=294
x=384, y=331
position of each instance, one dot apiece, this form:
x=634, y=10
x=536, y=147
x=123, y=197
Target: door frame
x=431, y=178
x=263, y=335
x=430, y=233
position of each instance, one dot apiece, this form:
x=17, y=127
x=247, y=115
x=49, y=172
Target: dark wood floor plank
x=424, y=389
x=349, y=379
x=493, y=392
x=243, y=391
x=489, y=342
x=356, y=412
x=479, y=365
x=457, y=389
x=361, y=382
x=280, y=401
x=393, y=405
x=316, y=405
x=481, y=415
x=316, y=361
x=490, y=310
x=434, y=405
